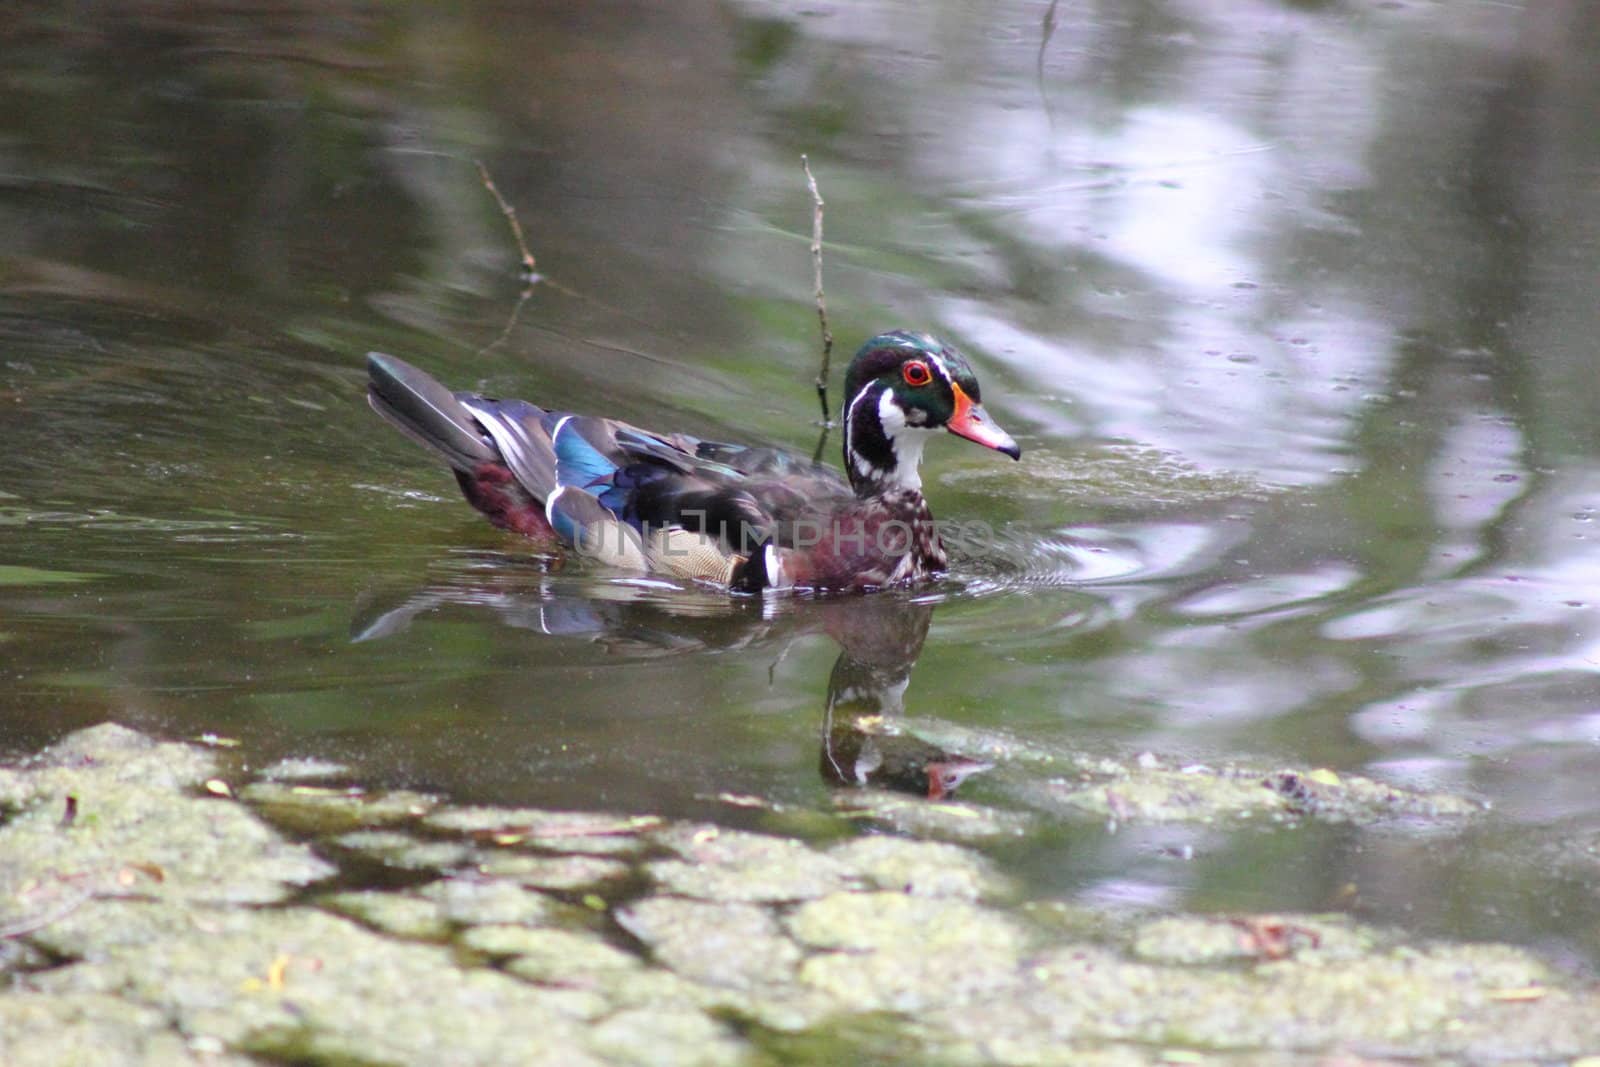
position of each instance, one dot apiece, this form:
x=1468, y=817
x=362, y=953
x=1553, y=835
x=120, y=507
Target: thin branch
x=510, y=213
x=1047, y=30
x=530, y=275
x=511, y=323
x=822, y=443
x=36, y=922
x=822, y=307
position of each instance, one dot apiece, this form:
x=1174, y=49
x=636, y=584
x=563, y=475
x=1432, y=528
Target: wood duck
x=747, y=518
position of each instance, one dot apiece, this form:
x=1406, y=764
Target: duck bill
x=973, y=423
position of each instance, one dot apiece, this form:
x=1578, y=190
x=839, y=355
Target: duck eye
x=916, y=373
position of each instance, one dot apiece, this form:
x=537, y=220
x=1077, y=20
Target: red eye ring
x=916, y=372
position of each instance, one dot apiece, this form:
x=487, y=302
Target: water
x=1290, y=307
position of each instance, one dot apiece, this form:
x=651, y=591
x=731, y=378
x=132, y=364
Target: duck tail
x=424, y=410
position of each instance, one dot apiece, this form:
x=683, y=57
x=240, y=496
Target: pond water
x=1290, y=306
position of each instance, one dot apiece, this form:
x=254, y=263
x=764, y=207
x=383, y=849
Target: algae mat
x=158, y=908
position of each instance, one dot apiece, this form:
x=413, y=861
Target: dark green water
x=1291, y=307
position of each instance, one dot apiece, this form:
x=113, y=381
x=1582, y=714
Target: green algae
x=473, y=901
x=304, y=769
x=554, y=872
x=1145, y=791
x=317, y=810
x=107, y=812
x=404, y=915
x=153, y=921
x=922, y=868
x=1423, y=1000
x=947, y=819
x=1113, y=474
x=404, y=851
x=654, y=1037
x=40, y=1029
x=297, y=981
x=738, y=866
x=894, y=952
x=720, y=944
x=547, y=954
x=17, y=574
x=579, y=962
x=556, y=831
x=1145, y=788
x=1215, y=940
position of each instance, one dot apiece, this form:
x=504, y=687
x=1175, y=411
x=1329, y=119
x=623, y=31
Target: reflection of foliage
x=214, y=146
x=763, y=42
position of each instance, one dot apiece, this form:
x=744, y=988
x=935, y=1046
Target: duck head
x=903, y=388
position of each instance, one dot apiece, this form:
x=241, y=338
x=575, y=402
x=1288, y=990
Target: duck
x=747, y=518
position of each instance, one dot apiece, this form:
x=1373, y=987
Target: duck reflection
x=880, y=639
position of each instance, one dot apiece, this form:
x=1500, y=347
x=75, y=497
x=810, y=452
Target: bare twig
x=530, y=275
x=511, y=322
x=33, y=923
x=822, y=443
x=1047, y=30
x=510, y=213
x=822, y=307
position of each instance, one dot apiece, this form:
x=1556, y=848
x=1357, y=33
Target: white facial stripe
x=862, y=466
x=949, y=379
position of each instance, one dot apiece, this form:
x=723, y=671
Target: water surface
x=1290, y=306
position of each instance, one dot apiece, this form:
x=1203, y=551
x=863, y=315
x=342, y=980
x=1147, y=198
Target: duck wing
x=736, y=495
x=603, y=480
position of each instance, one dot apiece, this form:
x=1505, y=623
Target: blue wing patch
x=578, y=463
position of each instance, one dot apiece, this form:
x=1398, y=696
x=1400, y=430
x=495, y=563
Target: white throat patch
x=905, y=439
